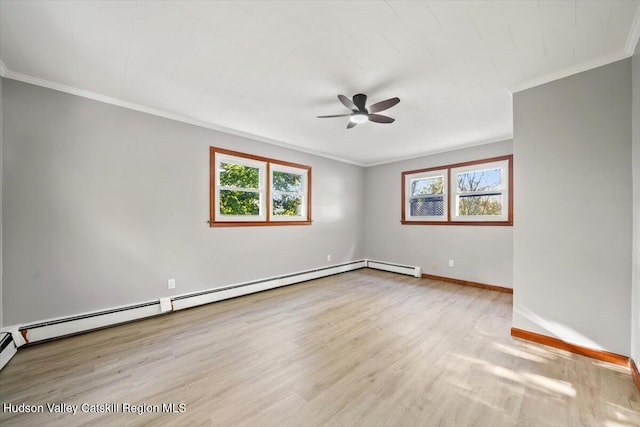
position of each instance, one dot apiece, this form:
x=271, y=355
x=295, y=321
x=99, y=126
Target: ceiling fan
x=360, y=114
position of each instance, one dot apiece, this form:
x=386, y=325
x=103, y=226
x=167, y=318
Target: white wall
x=481, y=253
x=572, y=235
x=102, y=205
x=635, y=299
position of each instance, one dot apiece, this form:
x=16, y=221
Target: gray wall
x=1, y=258
x=572, y=235
x=635, y=299
x=481, y=253
x=102, y=205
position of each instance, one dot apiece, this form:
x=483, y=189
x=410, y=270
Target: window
x=472, y=193
x=426, y=195
x=288, y=193
x=480, y=192
x=252, y=190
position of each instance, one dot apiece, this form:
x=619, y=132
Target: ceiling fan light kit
x=360, y=113
x=359, y=118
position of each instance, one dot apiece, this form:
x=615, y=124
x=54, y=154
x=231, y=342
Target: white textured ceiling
x=267, y=68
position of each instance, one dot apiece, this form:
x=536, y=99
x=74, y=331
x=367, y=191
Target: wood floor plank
x=365, y=348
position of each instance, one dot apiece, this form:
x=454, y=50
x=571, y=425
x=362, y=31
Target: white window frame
x=275, y=167
x=503, y=165
x=262, y=187
x=408, y=197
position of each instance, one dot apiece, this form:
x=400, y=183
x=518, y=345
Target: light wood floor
x=365, y=348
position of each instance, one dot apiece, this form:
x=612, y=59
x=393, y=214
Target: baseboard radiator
x=205, y=297
x=44, y=331
x=395, y=268
x=7, y=348
x=56, y=328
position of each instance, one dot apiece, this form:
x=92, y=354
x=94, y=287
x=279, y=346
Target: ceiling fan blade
x=347, y=103
x=383, y=105
x=360, y=100
x=335, y=115
x=351, y=125
x=379, y=118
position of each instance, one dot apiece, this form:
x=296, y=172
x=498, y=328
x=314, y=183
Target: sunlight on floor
x=625, y=415
x=610, y=423
x=611, y=366
x=551, y=384
x=539, y=382
x=519, y=353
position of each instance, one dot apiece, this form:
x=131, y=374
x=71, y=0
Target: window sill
x=255, y=223
x=495, y=223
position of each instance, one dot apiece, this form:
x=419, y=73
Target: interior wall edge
x=634, y=372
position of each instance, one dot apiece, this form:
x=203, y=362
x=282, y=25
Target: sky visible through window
x=432, y=185
x=480, y=180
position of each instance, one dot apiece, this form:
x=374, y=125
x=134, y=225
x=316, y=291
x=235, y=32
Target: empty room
x=320, y=213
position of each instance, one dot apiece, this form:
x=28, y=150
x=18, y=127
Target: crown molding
x=4, y=72
x=629, y=48
x=183, y=119
x=634, y=34
x=160, y=113
x=504, y=137
x=569, y=71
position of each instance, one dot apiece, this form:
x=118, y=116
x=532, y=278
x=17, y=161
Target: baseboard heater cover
x=7, y=348
x=395, y=268
x=56, y=328
x=47, y=330
x=218, y=294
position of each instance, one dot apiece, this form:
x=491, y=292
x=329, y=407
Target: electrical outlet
x=434, y=266
x=451, y=263
x=171, y=284
x=328, y=257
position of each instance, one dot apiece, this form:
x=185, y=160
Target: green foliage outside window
x=480, y=205
x=287, y=205
x=284, y=202
x=286, y=188
x=237, y=202
x=288, y=182
x=239, y=176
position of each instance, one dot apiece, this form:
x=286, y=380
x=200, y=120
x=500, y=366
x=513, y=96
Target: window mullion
x=268, y=203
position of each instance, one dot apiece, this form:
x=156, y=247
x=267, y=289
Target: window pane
x=239, y=202
x=488, y=204
x=287, y=205
x=480, y=180
x=427, y=206
x=290, y=182
x=240, y=176
x=431, y=185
